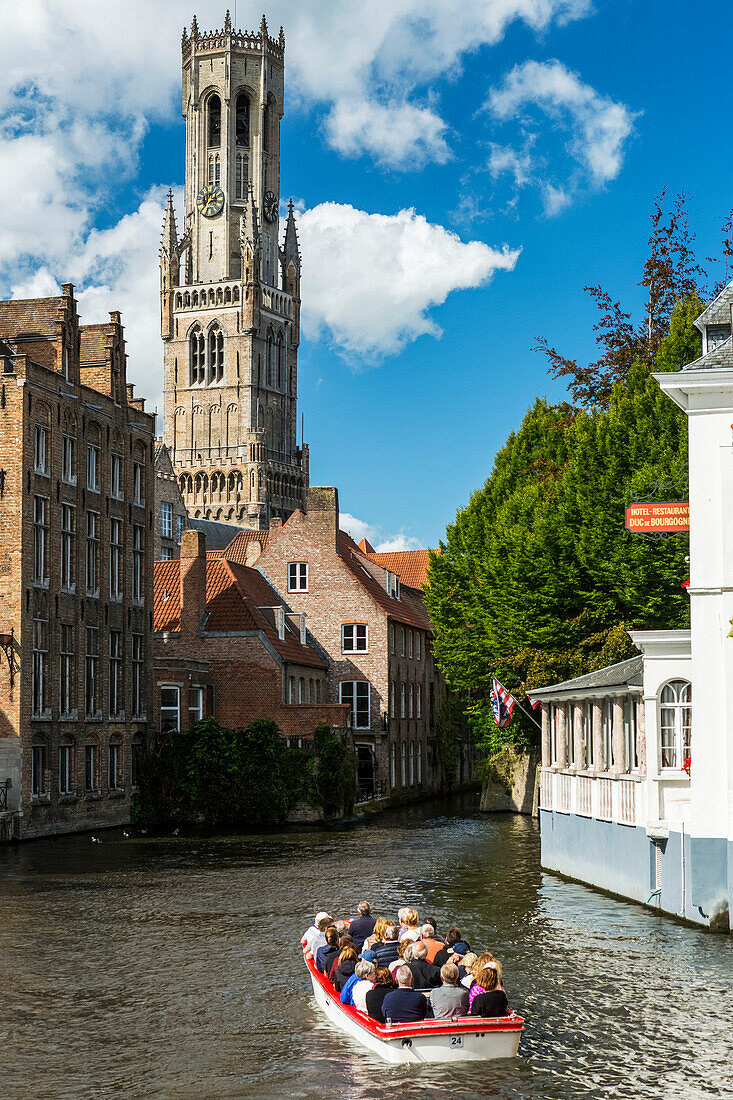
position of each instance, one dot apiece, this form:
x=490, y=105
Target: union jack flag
x=503, y=704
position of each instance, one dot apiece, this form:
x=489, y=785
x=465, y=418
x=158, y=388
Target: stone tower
x=229, y=295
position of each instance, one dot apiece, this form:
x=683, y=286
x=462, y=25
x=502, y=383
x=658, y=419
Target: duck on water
x=407, y=993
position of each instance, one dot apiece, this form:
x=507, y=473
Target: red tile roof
x=408, y=609
x=237, y=548
x=411, y=566
x=234, y=595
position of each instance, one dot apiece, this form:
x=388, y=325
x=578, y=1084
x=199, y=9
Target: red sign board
x=662, y=517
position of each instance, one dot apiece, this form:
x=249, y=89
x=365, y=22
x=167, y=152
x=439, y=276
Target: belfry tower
x=229, y=295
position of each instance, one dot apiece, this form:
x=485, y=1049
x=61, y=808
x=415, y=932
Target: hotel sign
x=660, y=518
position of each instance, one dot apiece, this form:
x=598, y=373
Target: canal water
x=141, y=967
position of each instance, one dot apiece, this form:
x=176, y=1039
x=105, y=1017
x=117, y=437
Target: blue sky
x=420, y=324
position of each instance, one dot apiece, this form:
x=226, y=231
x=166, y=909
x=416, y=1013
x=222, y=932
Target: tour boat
x=457, y=1039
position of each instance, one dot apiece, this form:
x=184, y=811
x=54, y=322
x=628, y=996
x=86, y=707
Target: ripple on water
x=169, y=967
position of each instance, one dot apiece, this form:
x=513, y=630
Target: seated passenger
x=467, y=964
x=432, y=946
x=431, y=920
x=410, y=931
x=326, y=954
x=424, y=974
x=453, y=936
x=388, y=950
x=376, y=936
x=344, y=941
x=450, y=998
x=404, y=1005
x=486, y=997
x=384, y=983
x=363, y=925
x=366, y=970
x=345, y=965
x=314, y=938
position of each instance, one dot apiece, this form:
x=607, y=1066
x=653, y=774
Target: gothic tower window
x=266, y=116
x=214, y=112
x=197, y=347
x=270, y=361
x=280, y=358
x=242, y=119
x=241, y=170
x=216, y=355
x=214, y=168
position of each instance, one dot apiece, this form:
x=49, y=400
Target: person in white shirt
x=314, y=937
x=365, y=971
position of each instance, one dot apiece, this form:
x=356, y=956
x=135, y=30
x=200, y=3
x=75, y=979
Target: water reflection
x=167, y=967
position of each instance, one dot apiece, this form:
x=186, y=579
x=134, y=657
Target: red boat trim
x=473, y=1025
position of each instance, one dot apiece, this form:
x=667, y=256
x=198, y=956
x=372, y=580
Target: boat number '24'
x=456, y=1040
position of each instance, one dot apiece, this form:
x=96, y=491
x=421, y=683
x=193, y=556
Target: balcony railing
x=605, y=798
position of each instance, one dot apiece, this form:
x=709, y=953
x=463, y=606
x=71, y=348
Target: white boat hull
x=468, y=1038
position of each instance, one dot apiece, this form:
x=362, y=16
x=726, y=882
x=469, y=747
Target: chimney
x=280, y=620
x=193, y=580
x=275, y=523
x=322, y=508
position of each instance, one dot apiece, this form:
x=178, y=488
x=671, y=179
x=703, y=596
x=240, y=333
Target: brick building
x=171, y=518
x=229, y=292
x=375, y=635
x=76, y=553
x=226, y=645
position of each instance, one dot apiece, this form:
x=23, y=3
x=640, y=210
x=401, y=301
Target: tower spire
x=291, y=248
x=169, y=241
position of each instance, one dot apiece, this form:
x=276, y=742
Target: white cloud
x=402, y=135
x=598, y=127
x=371, y=279
x=359, y=530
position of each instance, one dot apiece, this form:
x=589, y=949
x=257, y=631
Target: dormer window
x=716, y=335
x=393, y=585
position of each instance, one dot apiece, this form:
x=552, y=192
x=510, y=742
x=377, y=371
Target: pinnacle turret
x=169, y=240
x=263, y=28
x=228, y=22
x=291, y=248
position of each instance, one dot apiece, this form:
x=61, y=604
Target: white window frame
x=402, y=700
x=349, y=691
x=40, y=680
x=392, y=699
x=170, y=709
x=68, y=547
x=354, y=638
x=116, y=477
x=677, y=721
x=298, y=576
x=93, y=454
x=402, y=641
x=68, y=459
x=116, y=684
x=410, y=644
x=166, y=520
x=91, y=768
x=138, y=562
x=418, y=701
x=196, y=712
x=115, y=558
x=92, y=679
x=418, y=645
x=40, y=453
x=114, y=756
x=411, y=701
x=92, y=555
x=139, y=484
x=66, y=768
x=67, y=670
x=41, y=526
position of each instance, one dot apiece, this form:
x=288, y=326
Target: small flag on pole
x=503, y=704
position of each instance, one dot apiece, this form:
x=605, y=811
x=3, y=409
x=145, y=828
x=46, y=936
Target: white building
x=618, y=808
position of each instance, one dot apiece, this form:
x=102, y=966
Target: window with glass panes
x=68, y=546
x=195, y=705
x=115, y=674
x=412, y=762
x=418, y=645
x=356, y=694
x=392, y=699
x=93, y=520
x=91, y=702
x=630, y=735
x=114, y=757
x=297, y=576
x=40, y=540
x=68, y=692
x=116, y=482
x=115, y=559
x=138, y=662
x=166, y=520
x=68, y=459
x=139, y=476
x=391, y=638
x=675, y=715
x=418, y=701
x=411, y=699
x=403, y=763
x=92, y=468
x=41, y=450
x=170, y=708
x=354, y=638
x=138, y=561
x=402, y=641
x=66, y=769
x=91, y=768
x=40, y=667
x=410, y=643
x=38, y=770
x=179, y=529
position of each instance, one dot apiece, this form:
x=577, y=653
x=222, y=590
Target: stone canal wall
x=510, y=782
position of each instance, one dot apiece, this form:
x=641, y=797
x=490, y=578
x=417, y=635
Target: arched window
x=197, y=348
x=675, y=722
x=214, y=110
x=216, y=355
x=280, y=361
x=242, y=119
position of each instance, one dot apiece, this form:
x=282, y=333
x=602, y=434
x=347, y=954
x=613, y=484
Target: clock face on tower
x=210, y=200
x=269, y=206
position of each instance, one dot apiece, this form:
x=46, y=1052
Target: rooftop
x=625, y=674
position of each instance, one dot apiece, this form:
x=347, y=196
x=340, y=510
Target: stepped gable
x=235, y=597
x=93, y=343
x=411, y=566
x=408, y=609
x=30, y=316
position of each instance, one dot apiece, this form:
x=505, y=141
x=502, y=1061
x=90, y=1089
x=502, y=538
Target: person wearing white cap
x=314, y=937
